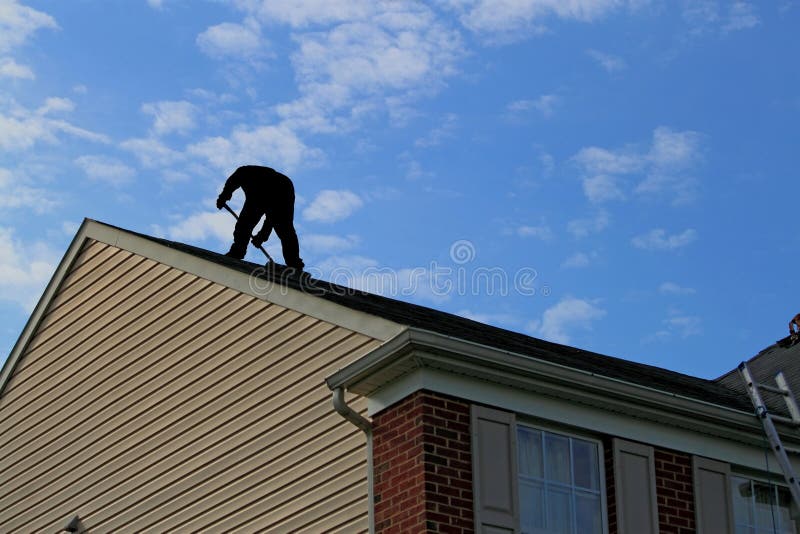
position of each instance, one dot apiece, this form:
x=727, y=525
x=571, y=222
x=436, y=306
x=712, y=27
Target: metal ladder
x=768, y=422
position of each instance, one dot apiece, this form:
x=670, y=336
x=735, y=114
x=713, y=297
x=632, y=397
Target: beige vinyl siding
x=151, y=399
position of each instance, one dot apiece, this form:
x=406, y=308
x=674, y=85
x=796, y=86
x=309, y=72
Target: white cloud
x=518, y=18
x=587, y=226
x=658, y=239
x=542, y=231
x=203, y=225
x=440, y=133
x=156, y=4
x=151, y=152
x=302, y=13
x=596, y=160
x=671, y=288
x=559, y=321
x=666, y=164
x=330, y=206
x=276, y=146
x=327, y=243
x=711, y=15
x=602, y=188
x=231, y=40
x=576, y=261
x=25, y=269
x=21, y=128
x=15, y=193
x=18, y=22
x=56, y=105
x=609, y=62
x=106, y=170
x=545, y=104
x=677, y=324
x=11, y=69
x=171, y=116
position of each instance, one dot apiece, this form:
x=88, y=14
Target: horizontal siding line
x=39, y=356
x=231, y=470
x=102, y=367
x=221, y=440
x=345, y=501
x=324, y=482
x=134, y=431
x=59, y=315
x=72, y=369
x=217, y=441
x=353, y=517
x=88, y=275
x=131, y=386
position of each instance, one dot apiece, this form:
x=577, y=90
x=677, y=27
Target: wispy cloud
x=201, y=226
x=231, y=40
x=587, y=226
x=705, y=16
x=665, y=168
x=11, y=69
x=671, y=288
x=542, y=232
x=16, y=192
x=332, y=205
x=440, y=133
x=658, y=239
x=544, y=104
x=106, y=170
x=171, y=116
x=21, y=128
x=560, y=320
x=609, y=62
x=25, y=269
x=328, y=243
x=576, y=261
x=152, y=152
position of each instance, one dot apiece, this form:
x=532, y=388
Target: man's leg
x=248, y=219
x=283, y=221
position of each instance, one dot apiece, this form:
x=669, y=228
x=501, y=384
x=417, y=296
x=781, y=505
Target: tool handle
x=261, y=247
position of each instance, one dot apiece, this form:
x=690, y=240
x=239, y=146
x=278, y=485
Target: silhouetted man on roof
x=267, y=192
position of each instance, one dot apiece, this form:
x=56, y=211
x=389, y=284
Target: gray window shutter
x=712, y=496
x=635, y=482
x=494, y=471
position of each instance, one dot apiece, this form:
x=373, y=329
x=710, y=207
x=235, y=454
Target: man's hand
x=221, y=202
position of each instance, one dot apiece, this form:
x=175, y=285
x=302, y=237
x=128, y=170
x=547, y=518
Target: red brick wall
x=674, y=491
x=423, y=466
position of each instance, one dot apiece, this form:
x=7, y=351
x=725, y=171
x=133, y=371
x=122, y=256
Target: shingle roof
x=459, y=327
x=783, y=356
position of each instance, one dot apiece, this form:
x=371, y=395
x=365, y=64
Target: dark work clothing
x=267, y=193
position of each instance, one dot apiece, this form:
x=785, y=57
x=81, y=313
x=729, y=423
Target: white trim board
x=319, y=308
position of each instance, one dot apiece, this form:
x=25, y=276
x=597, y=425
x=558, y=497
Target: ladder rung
x=784, y=420
x=773, y=389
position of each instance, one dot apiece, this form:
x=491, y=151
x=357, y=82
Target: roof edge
x=50, y=290
x=415, y=349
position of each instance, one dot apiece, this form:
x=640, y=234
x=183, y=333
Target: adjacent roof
x=783, y=356
x=714, y=392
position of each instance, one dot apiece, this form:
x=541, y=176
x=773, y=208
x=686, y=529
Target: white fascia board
x=36, y=316
x=306, y=303
x=319, y=308
x=539, y=409
x=377, y=374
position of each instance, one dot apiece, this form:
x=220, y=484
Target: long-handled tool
x=252, y=237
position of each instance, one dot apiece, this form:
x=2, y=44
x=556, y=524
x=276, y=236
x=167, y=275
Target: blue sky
x=611, y=174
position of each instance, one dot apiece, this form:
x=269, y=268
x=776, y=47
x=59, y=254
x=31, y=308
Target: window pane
x=785, y=523
x=532, y=515
x=588, y=516
x=559, y=511
x=584, y=464
x=742, y=501
x=529, y=444
x=765, y=500
x=557, y=458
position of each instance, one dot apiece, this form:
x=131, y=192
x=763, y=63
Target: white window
x=761, y=508
x=560, y=483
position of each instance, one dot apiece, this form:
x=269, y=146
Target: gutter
x=343, y=409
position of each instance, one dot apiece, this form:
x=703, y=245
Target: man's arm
x=263, y=234
x=233, y=183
